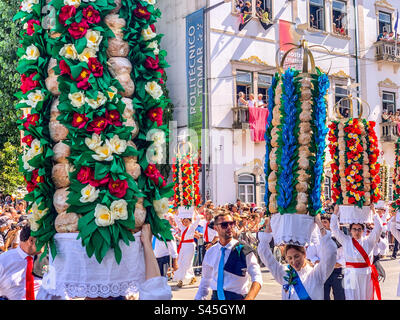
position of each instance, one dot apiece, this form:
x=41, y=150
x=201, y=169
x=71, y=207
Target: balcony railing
x=387, y=51
x=240, y=118
x=389, y=132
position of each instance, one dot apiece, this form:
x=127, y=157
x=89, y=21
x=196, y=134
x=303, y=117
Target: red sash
x=206, y=233
x=374, y=272
x=183, y=240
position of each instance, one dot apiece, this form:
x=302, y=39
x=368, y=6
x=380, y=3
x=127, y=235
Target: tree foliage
x=9, y=78
x=10, y=177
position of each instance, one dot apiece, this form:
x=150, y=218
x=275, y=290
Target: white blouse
x=313, y=278
x=191, y=230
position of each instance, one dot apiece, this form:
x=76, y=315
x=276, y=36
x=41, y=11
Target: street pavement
x=271, y=290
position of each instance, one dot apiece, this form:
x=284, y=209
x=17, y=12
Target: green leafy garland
x=396, y=177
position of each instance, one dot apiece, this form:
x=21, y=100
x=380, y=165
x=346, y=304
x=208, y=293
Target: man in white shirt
x=164, y=252
x=17, y=281
x=228, y=266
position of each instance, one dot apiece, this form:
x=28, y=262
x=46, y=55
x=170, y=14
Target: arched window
x=247, y=188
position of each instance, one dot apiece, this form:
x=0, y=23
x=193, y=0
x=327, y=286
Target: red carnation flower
x=155, y=115
x=91, y=15
x=78, y=30
x=141, y=12
x=27, y=140
x=118, y=187
x=152, y=63
x=66, y=13
x=95, y=67
x=31, y=30
x=113, y=117
x=97, y=125
x=79, y=120
x=31, y=119
x=28, y=83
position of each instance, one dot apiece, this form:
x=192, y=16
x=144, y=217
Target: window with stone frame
x=247, y=188
x=317, y=14
x=341, y=103
x=339, y=17
x=384, y=22
x=388, y=102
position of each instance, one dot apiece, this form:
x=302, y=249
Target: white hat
x=381, y=205
x=185, y=213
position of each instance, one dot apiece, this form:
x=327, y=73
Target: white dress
x=396, y=233
x=185, y=256
x=357, y=282
x=313, y=278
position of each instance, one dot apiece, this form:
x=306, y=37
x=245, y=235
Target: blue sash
x=294, y=280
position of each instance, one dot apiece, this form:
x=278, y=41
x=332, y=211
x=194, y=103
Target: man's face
x=29, y=246
x=326, y=224
x=224, y=226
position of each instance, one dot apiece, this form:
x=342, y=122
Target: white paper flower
x=25, y=158
x=148, y=34
x=161, y=207
x=69, y=51
x=86, y=54
x=119, y=210
x=154, y=45
x=111, y=92
x=35, y=149
x=158, y=137
x=36, y=215
x=89, y=194
x=77, y=99
x=154, y=89
x=27, y=5
x=93, y=39
x=152, y=2
x=155, y=154
x=99, y=101
x=103, y=216
x=118, y=145
x=75, y=3
x=34, y=97
x=31, y=53
x=93, y=142
x=103, y=153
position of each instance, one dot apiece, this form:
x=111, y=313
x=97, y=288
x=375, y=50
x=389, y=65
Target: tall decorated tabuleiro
x=92, y=75
x=353, y=146
x=295, y=149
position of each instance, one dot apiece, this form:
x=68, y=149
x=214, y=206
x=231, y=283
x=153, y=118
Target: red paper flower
x=91, y=15
x=85, y=175
x=64, y=68
x=97, y=125
x=66, y=13
x=118, y=187
x=352, y=200
x=114, y=118
x=78, y=30
x=155, y=115
x=79, y=120
x=30, y=30
x=153, y=27
x=101, y=182
x=28, y=83
x=27, y=140
x=83, y=79
x=162, y=73
x=152, y=63
x=31, y=119
x=95, y=67
x=153, y=174
x=141, y=12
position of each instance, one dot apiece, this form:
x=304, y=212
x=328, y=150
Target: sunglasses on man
x=225, y=224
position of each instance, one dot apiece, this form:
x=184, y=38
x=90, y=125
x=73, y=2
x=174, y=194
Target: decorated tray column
x=295, y=150
x=355, y=169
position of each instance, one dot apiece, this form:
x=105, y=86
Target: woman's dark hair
x=25, y=233
x=360, y=224
x=300, y=249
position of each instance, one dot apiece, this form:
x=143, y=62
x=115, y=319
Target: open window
x=389, y=102
x=317, y=14
x=244, y=85
x=384, y=22
x=264, y=82
x=339, y=16
x=341, y=92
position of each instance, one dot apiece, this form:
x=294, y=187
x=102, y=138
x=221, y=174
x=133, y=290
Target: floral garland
x=396, y=177
x=186, y=182
x=334, y=153
x=321, y=82
x=36, y=161
x=373, y=154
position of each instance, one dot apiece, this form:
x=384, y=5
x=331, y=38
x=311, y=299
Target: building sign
x=195, y=72
x=288, y=35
